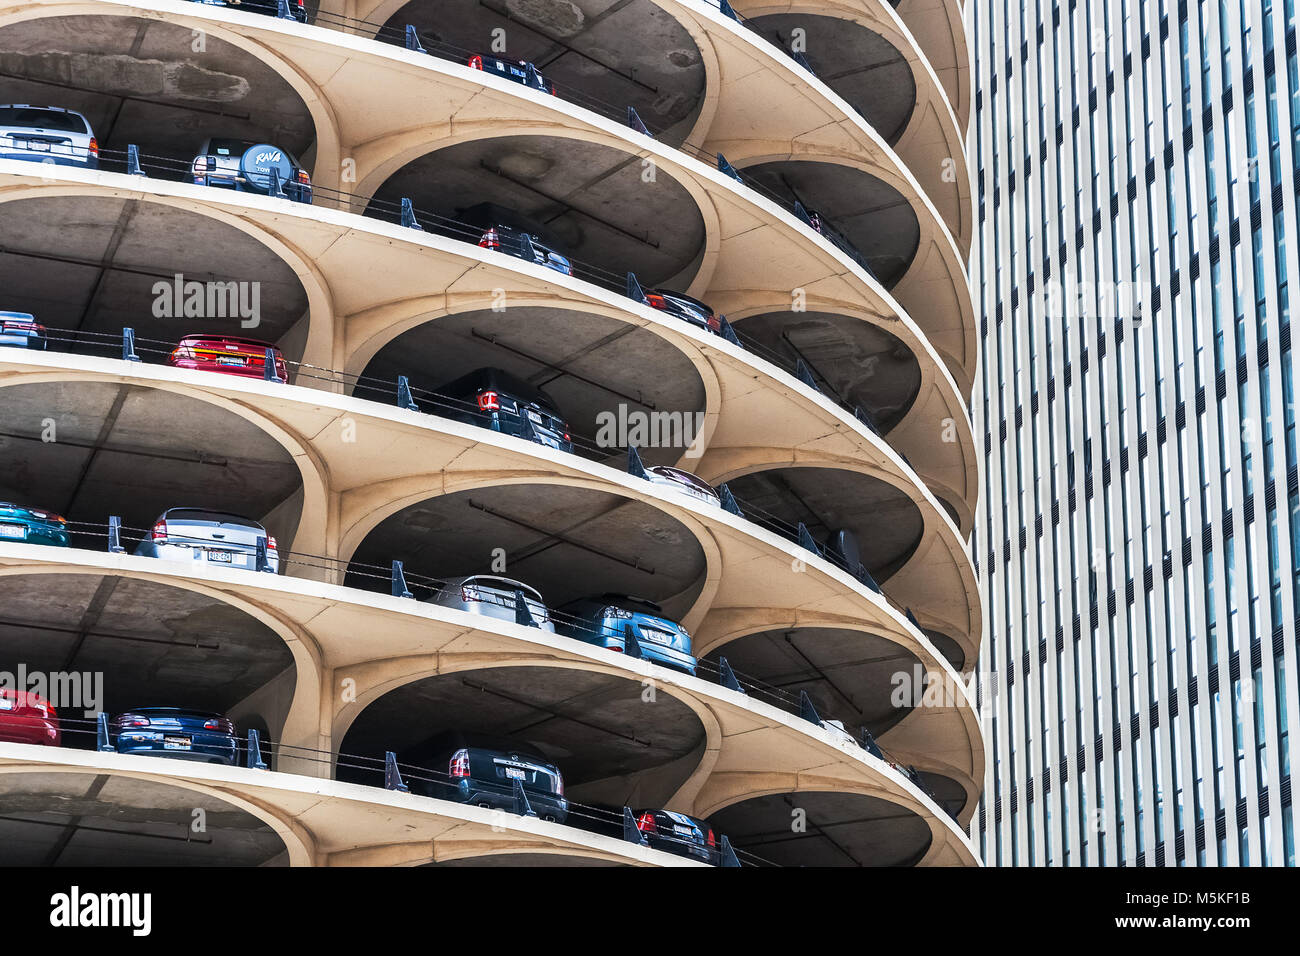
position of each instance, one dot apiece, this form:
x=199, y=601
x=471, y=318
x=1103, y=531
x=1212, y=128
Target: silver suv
x=492, y=596
x=212, y=537
x=47, y=134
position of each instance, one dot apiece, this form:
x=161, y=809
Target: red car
x=26, y=718
x=228, y=354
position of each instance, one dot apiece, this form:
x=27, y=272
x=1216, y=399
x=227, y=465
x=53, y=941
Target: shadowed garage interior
x=590, y=200
x=858, y=363
x=565, y=542
x=87, y=266
x=825, y=828
x=604, y=54
x=83, y=819
x=589, y=364
x=88, y=450
x=151, y=645
x=142, y=82
x=611, y=743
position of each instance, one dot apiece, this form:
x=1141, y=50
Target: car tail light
x=94, y=147
x=301, y=5
x=655, y=301
x=160, y=531
x=468, y=593
x=646, y=823
x=21, y=326
x=459, y=766
x=217, y=723
x=200, y=167
x=303, y=178
x=490, y=240
x=476, y=63
x=132, y=721
x=559, y=785
x=714, y=322
x=489, y=401
x=270, y=542
x=709, y=837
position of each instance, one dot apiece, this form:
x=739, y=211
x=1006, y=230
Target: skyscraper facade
x=1136, y=166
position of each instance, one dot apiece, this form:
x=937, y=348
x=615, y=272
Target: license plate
x=176, y=743
x=221, y=557
x=12, y=531
x=38, y=145
x=225, y=360
x=6, y=703
x=683, y=831
x=656, y=636
x=536, y=418
x=514, y=773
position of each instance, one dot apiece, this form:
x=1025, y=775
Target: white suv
x=47, y=134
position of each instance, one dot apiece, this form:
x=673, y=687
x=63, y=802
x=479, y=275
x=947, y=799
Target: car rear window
x=503, y=586
x=35, y=117
x=198, y=515
x=229, y=147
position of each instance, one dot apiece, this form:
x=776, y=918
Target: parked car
x=678, y=834
x=27, y=718
x=606, y=620
x=836, y=730
x=47, y=134
x=482, y=770
x=515, y=234
x=245, y=166
x=297, y=8
x=683, y=481
x=32, y=525
x=22, y=330
x=492, y=596
x=518, y=71
x=684, y=307
x=493, y=398
x=175, y=732
x=229, y=354
x=212, y=537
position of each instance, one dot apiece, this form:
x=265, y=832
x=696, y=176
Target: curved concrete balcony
x=715, y=748
x=85, y=808
x=334, y=94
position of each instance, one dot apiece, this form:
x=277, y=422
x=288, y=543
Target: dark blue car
x=176, y=732
x=679, y=834
x=481, y=770
x=609, y=619
x=493, y=398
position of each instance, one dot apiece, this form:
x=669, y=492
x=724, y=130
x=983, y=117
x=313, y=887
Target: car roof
x=482, y=740
x=492, y=377
x=489, y=580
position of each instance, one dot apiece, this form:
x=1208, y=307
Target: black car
x=493, y=398
x=518, y=71
x=684, y=307
x=679, y=834
x=271, y=8
x=482, y=769
x=513, y=233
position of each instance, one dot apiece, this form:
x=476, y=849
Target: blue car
x=32, y=525
x=607, y=620
x=21, y=330
x=177, y=733
x=481, y=770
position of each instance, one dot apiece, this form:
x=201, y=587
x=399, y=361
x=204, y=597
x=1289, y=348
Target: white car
x=212, y=537
x=836, y=729
x=47, y=134
x=492, y=596
x=683, y=481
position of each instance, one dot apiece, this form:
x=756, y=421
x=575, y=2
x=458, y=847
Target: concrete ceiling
x=592, y=726
x=140, y=81
x=887, y=523
x=871, y=214
x=590, y=198
x=612, y=544
x=588, y=364
x=862, y=363
x=605, y=54
x=73, y=819
x=156, y=646
x=89, y=264
x=117, y=450
x=861, y=66
x=847, y=674
x=842, y=829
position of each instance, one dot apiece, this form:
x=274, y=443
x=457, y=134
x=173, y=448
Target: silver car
x=492, y=596
x=683, y=481
x=47, y=134
x=212, y=537
x=836, y=729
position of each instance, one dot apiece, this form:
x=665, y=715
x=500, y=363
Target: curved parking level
x=141, y=80
x=618, y=55
x=104, y=819
x=610, y=740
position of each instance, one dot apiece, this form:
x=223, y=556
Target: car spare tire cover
x=258, y=162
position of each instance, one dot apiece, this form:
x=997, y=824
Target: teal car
x=33, y=525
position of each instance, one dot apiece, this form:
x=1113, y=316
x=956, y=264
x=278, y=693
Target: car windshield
x=34, y=117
